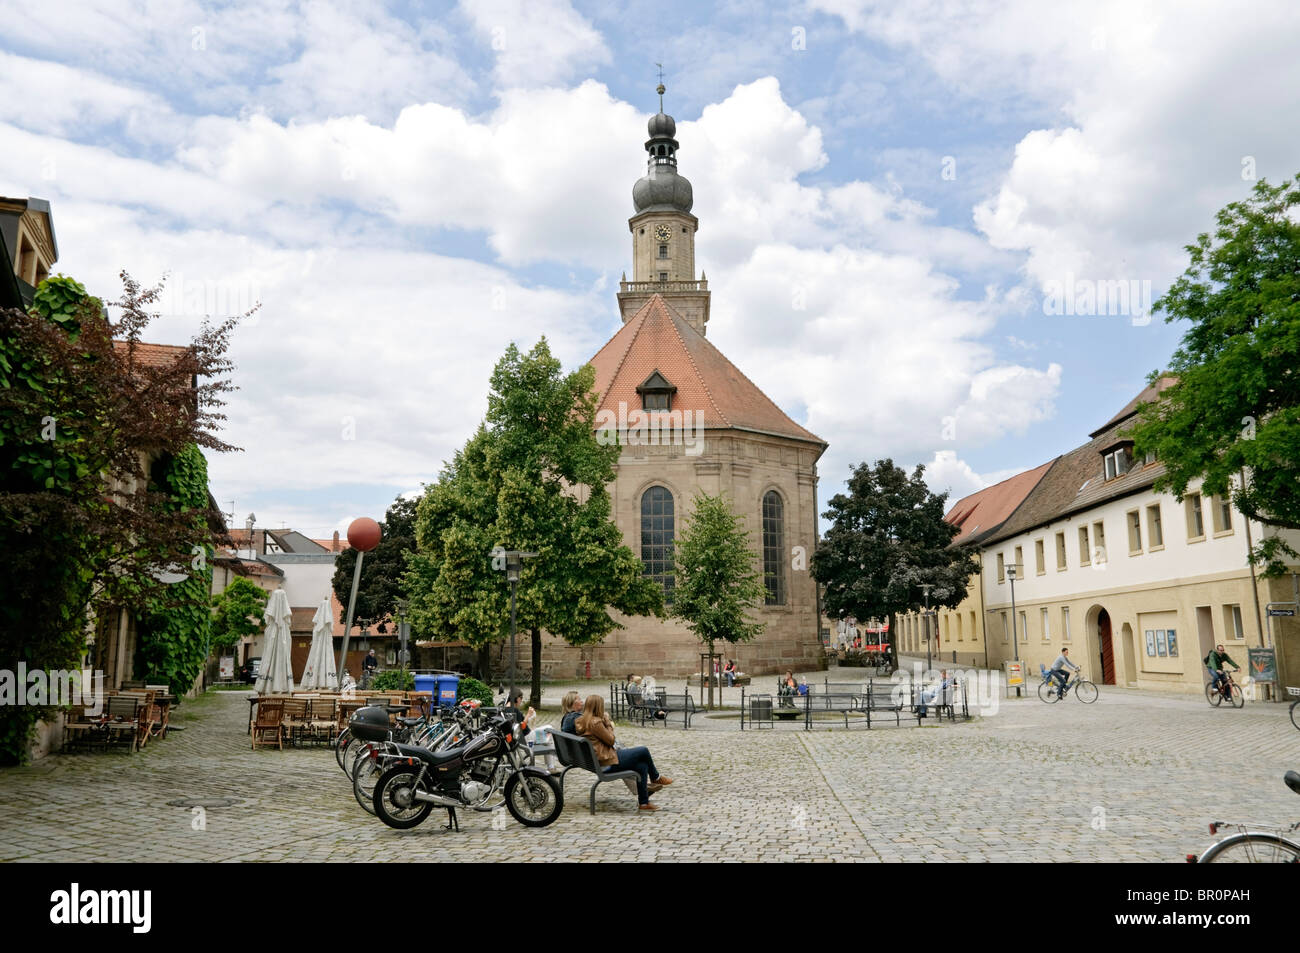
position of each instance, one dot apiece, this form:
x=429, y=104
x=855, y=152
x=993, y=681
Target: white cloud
x=536, y=42
x=1160, y=105
x=369, y=360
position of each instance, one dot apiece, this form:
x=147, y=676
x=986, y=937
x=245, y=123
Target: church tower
x=663, y=232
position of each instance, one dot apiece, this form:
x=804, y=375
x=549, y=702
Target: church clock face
x=663, y=233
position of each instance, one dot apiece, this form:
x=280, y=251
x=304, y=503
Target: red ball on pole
x=364, y=534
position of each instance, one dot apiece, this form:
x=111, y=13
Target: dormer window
x=1119, y=460
x=656, y=393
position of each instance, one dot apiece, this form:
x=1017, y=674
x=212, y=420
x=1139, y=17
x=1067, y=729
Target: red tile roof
x=153, y=355
x=657, y=338
x=981, y=513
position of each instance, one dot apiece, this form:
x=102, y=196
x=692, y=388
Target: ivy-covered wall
x=174, y=637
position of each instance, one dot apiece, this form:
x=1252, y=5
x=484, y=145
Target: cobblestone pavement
x=1135, y=776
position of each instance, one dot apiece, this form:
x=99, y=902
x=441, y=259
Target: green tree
x=717, y=583
x=1232, y=418
x=382, y=569
x=86, y=524
x=533, y=478
x=237, y=613
x=887, y=538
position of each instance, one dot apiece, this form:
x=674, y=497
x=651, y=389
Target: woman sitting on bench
x=595, y=724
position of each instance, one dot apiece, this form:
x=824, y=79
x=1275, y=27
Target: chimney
x=335, y=547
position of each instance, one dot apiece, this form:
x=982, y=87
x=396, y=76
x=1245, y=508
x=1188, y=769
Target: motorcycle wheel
x=393, y=800
x=532, y=800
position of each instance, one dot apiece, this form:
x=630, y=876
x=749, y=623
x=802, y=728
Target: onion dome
x=662, y=187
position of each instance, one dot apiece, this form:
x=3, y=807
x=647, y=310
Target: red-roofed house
x=958, y=634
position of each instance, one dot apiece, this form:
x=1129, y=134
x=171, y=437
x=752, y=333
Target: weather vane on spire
x=660, y=88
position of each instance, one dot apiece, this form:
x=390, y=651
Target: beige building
x=689, y=421
x=957, y=635
x=1138, y=585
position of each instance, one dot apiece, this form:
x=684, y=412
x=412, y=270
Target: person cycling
x=1058, y=671
x=1215, y=662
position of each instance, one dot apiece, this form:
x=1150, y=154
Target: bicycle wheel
x=1212, y=694
x=341, y=744
x=365, y=775
x=1047, y=692
x=1253, y=847
x=1295, y=713
x=1085, y=691
x=1238, y=698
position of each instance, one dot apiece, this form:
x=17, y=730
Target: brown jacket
x=601, y=734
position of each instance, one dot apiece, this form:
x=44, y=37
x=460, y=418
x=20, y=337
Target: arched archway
x=1100, y=651
x=1130, y=654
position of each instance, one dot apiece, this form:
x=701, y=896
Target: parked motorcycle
x=491, y=764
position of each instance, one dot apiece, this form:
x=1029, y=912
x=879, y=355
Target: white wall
x=305, y=583
x=1178, y=560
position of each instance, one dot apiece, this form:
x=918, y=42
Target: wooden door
x=1107, y=650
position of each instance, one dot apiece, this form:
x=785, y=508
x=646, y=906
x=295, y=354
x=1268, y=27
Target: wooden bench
x=574, y=751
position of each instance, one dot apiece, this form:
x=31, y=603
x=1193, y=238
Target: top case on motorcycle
x=429, y=757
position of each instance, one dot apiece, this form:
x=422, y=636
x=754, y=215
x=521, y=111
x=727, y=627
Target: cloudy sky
x=894, y=201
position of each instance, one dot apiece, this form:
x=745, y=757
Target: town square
x=547, y=431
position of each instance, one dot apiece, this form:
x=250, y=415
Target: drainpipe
x=1254, y=583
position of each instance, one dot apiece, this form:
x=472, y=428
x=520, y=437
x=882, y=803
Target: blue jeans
x=638, y=760
x=1220, y=678
x=1062, y=677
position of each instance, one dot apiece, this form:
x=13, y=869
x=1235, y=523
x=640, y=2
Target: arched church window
x=657, y=538
x=774, y=548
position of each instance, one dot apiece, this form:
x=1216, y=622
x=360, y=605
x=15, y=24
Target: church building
x=689, y=421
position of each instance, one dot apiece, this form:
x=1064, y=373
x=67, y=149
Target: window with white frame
x=1118, y=462
x=1047, y=630
x=1024, y=628
x=1065, y=623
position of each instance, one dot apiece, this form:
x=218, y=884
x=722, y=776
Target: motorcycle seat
x=425, y=755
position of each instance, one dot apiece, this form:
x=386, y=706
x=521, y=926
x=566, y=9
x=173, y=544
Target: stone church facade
x=689, y=421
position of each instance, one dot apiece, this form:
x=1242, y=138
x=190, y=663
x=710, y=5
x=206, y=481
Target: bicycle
x=1049, y=689
x=1231, y=692
x=1254, y=847
x=1295, y=706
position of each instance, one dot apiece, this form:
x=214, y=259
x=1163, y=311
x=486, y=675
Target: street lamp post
x=512, y=561
x=403, y=634
x=925, y=588
x=1013, y=570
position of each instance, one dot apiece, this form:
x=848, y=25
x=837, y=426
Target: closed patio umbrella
x=276, y=674
x=321, y=672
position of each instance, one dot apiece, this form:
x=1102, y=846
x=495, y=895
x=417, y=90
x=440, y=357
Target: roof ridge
x=748, y=381
x=673, y=318
x=640, y=317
